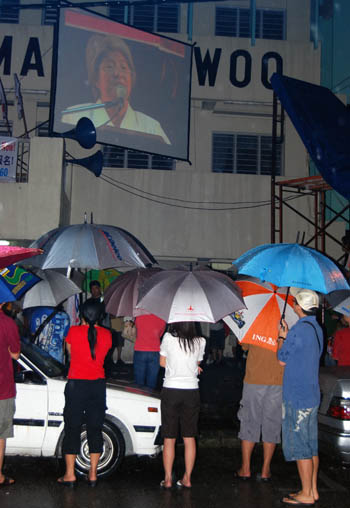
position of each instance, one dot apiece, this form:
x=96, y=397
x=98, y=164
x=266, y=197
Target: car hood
x=132, y=388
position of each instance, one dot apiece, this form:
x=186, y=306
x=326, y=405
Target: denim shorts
x=299, y=432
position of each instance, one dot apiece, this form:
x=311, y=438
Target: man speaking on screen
x=111, y=74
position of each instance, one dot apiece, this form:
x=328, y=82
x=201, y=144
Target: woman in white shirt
x=181, y=352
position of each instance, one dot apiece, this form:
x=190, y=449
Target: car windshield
x=48, y=365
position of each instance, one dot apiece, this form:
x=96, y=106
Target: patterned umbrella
x=258, y=323
x=90, y=246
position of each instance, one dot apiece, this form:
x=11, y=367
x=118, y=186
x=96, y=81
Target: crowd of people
x=280, y=396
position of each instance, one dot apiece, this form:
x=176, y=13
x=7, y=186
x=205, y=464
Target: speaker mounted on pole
x=93, y=163
x=84, y=132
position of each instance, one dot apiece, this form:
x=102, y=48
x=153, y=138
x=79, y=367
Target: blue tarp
x=323, y=123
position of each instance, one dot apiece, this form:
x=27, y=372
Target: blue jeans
x=146, y=368
x=299, y=432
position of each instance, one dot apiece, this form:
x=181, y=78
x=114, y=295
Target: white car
x=132, y=422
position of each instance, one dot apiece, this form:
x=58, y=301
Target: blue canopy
x=323, y=123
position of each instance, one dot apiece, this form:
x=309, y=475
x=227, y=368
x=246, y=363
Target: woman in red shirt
x=85, y=391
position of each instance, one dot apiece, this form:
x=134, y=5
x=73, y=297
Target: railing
x=22, y=168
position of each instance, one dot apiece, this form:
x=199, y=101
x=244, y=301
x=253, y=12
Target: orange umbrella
x=258, y=323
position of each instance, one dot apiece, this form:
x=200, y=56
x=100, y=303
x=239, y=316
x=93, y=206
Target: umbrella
x=90, y=246
x=340, y=301
x=122, y=294
x=291, y=264
x=258, y=323
x=11, y=254
x=190, y=295
x=51, y=291
x=18, y=280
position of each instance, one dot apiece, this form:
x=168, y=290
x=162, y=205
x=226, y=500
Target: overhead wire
x=158, y=201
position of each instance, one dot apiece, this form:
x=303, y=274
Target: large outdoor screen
x=133, y=85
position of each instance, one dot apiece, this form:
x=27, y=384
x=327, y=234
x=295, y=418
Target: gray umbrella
x=190, y=295
x=90, y=246
x=340, y=301
x=51, y=291
x=122, y=294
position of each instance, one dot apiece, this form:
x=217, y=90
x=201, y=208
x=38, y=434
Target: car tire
x=111, y=457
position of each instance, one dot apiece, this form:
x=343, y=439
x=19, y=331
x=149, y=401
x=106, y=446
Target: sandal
x=7, y=482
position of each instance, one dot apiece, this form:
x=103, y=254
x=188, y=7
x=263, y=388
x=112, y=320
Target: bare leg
x=247, y=448
x=69, y=475
x=94, y=458
x=190, y=458
x=315, y=463
x=168, y=460
x=2, y=456
x=305, y=470
x=269, y=449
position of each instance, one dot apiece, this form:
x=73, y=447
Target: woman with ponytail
x=181, y=352
x=85, y=392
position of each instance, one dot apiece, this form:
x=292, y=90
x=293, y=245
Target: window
x=9, y=11
x=116, y=157
x=235, y=22
x=244, y=153
x=49, y=13
x=4, y=131
x=42, y=129
x=152, y=18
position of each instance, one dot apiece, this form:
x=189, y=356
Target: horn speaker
x=84, y=132
x=94, y=163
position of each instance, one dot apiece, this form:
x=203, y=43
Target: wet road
x=136, y=484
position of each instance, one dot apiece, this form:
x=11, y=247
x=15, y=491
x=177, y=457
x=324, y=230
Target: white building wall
x=180, y=231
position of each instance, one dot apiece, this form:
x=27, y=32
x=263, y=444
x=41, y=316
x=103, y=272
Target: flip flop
x=181, y=485
x=295, y=502
x=264, y=479
x=163, y=486
x=7, y=482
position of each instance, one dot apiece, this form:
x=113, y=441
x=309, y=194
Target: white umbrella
x=51, y=291
x=190, y=295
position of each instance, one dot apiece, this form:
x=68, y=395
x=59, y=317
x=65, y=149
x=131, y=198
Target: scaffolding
x=315, y=187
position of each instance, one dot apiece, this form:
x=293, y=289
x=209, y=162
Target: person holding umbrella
x=85, y=392
x=180, y=354
x=300, y=350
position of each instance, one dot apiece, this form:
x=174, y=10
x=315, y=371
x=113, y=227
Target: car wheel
x=112, y=454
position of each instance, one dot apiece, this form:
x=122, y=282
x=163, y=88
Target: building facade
x=217, y=205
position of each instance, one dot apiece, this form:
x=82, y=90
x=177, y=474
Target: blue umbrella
x=291, y=264
x=14, y=282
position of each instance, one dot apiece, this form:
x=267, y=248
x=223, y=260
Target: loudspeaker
x=84, y=132
x=94, y=163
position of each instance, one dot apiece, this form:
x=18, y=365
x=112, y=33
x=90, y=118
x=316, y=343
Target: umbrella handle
x=284, y=307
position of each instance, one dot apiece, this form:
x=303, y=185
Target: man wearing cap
x=300, y=349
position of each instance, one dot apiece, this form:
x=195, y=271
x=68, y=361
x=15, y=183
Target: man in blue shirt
x=300, y=350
